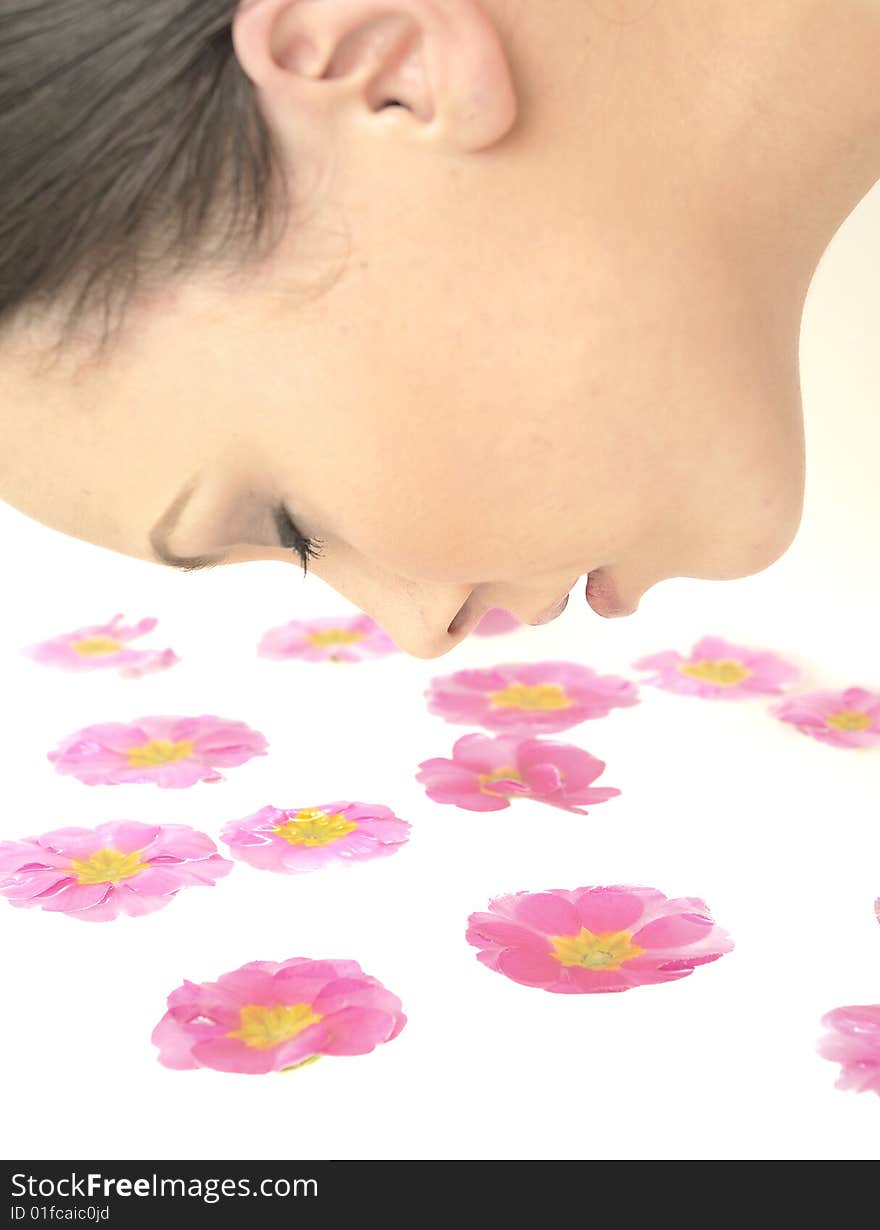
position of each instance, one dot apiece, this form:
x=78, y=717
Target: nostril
x=458, y=621
x=468, y=616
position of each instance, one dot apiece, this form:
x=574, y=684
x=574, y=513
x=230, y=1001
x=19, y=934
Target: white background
x=780, y=835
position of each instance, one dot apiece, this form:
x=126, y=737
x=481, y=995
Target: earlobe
x=437, y=66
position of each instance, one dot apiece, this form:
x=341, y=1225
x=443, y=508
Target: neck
x=803, y=144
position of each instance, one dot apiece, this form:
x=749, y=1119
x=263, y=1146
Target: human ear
x=348, y=62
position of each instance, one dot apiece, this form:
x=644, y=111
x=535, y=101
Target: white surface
x=780, y=834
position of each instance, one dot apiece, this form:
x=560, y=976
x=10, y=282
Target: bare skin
x=558, y=324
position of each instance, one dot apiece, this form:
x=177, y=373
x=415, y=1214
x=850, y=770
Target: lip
x=551, y=613
x=603, y=597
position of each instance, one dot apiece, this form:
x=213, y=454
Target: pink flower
x=854, y=1043
x=269, y=1016
x=495, y=622
x=486, y=771
x=332, y=638
x=528, y=699
x=718, y=669
x=845, y=719
x=304, y=839
x=595, y=939
x=170, y=751
x=102, y=645
x=121, y=867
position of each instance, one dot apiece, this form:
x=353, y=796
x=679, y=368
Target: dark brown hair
x=132, y=150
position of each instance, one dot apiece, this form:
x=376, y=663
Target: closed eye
x=289, y=535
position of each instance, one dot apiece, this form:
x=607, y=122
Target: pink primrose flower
x=495, y=622
x=121, y=867
x=854, y=1043
x=717, y=669
x=169, y=751
x=304, y=839
x=486, y=772
x=850, y=718
x=99, y=646
x=595, y=939
x=331, y=638
x=528, y=699
x=270, y=1016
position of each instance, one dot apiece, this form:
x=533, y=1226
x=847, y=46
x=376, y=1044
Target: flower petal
x=609, y=909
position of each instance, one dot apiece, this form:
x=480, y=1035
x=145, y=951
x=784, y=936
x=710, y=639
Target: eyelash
x=290, y=536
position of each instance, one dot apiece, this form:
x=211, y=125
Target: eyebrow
x=164, y=527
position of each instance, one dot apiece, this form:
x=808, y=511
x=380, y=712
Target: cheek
x=457, y=512
x=410, y=528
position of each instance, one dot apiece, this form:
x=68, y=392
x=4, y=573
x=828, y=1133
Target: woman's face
x=553, y=334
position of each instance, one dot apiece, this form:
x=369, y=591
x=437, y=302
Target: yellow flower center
x=158, y=751
x=723, y=671
x=505, y=772
x=313, y=827
x=538, y=696
x=262, y=1026
x=107, y=866
x=607, y=950
x=850, y=719
x=335, y=636
x=91, y=646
